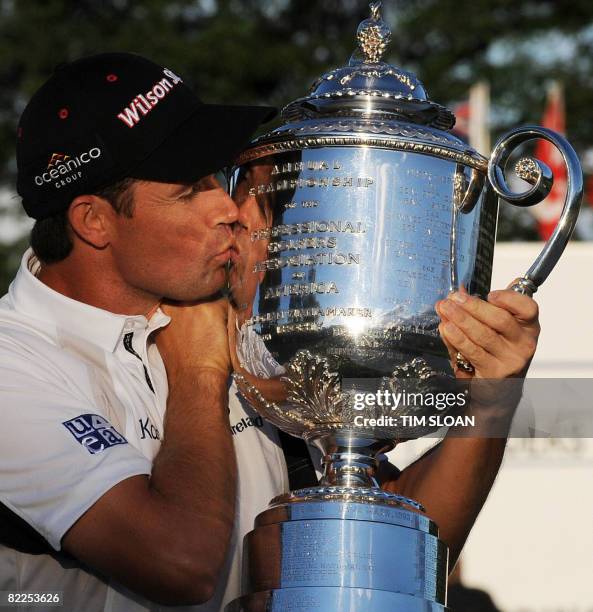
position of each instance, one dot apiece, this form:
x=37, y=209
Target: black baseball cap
x=114, y=115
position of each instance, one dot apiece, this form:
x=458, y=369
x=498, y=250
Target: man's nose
x=227, y=212
x=243, y=217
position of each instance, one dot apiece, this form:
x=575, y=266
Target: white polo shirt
x=83, y=395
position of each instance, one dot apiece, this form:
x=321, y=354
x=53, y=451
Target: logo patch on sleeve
x=94, y=432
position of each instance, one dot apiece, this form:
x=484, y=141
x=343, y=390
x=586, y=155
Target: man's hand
x=273, y=389
x=196, y=338
x=498, y=337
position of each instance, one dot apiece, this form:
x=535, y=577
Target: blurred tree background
x=269, y=52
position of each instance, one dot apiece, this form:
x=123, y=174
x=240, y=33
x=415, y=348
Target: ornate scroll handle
x=540, y=177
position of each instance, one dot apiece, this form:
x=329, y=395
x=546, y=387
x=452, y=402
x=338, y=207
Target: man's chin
x=205, y=291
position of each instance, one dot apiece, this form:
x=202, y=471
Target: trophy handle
x=540, y=177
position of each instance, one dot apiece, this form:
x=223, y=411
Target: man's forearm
x=195, y=470
x=452, y=481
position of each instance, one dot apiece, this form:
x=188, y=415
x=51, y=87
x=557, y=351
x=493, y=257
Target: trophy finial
x=370, y=86
x=373, y=35
x=375, y=10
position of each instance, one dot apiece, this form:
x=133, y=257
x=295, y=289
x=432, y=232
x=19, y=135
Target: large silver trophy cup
x=356, y=216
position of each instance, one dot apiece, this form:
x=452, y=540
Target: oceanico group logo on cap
x=64, y=169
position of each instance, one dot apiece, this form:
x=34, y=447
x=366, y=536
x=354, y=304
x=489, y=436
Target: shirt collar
x=32, y=297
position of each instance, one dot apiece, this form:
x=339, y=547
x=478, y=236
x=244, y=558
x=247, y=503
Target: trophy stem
x=347, y=469
x=349, y=459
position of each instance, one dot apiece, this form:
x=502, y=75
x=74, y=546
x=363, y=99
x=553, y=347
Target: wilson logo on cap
x=63, y=169
x=142, y=104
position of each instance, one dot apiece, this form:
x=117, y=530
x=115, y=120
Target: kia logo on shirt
x=148, y=430
x=94, y=432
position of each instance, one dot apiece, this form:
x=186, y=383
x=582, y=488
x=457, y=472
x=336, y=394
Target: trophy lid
x=370, y=87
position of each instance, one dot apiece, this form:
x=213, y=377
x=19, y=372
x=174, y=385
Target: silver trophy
x=356, y=216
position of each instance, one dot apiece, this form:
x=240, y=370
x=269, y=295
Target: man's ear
x=91, y=219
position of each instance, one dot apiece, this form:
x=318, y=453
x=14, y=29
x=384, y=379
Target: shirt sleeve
x=58, y=453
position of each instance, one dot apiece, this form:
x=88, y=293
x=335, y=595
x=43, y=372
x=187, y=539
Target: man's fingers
x=450, y=348
x=479, y=333
x=521, y=306
x=495, y=317
x=454, y=336
x=459, y=373
x=498, y=337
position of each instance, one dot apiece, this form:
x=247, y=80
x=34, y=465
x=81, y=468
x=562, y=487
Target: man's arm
x=453, y=479
x=166, y=537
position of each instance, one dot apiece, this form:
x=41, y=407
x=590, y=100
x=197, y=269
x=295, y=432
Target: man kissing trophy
x=361, y=212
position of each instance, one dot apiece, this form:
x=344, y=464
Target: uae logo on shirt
x=94, y=432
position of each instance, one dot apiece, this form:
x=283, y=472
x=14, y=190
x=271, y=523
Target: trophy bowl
x=356, y=216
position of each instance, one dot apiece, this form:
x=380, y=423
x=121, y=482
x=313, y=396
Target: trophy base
x=340, y=548
x=331, y=599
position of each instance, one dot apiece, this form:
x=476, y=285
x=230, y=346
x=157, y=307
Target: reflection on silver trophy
x=358, y=215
